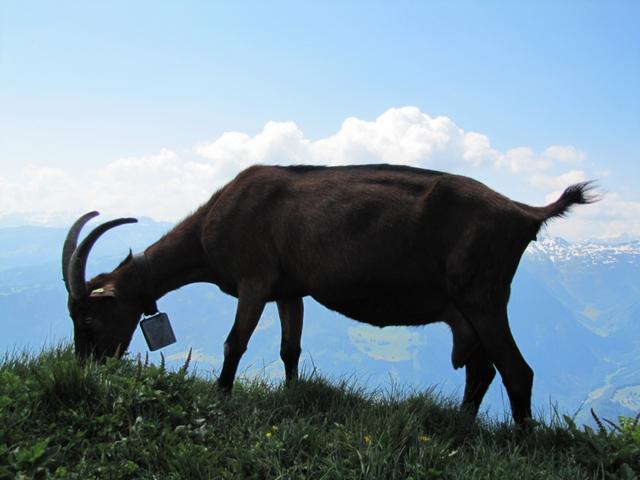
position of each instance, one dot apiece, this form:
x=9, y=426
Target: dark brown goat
x=385, y=245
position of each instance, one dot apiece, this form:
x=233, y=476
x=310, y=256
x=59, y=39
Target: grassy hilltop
x=127, y=419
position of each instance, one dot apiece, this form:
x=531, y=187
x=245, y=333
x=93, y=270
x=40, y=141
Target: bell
x=157, y=331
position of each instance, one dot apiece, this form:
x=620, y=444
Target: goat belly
x=383, y=311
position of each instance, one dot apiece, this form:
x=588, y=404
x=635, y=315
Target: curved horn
x=78, y=261
x=71, y=242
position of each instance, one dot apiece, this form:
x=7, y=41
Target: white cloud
x=233, y=151
x=523, y=160
x=477, y=149
x=39, y=189
x=564, y=153
x=168, y=185
x=162, y=186
x=556, y=183
x=400, y=136
x=611, y=217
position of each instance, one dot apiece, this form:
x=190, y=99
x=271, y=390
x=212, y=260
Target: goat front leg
x=250, y=307
x=291, y=313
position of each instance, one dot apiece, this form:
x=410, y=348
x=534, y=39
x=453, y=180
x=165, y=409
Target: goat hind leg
x=480, y=372
x=291, y=313
x=501, y=350
x=468, y=352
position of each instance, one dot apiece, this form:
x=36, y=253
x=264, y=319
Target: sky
x=146, y=108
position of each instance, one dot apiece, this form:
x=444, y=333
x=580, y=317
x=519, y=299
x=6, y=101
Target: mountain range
x=574, y=312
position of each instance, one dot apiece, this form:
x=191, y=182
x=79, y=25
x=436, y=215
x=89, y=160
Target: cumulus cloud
x=556, y=183
x=400, y=136
x=564, y=153
x=39, y=190
x=162, y=186
x=522, y=160
x=169, y=185
x=525, y=160
x=611, y=217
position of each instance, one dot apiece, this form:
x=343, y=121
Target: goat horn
x=71, y=242
x=78, y=261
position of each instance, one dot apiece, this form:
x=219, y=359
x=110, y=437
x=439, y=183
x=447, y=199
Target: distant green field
x=128, y=419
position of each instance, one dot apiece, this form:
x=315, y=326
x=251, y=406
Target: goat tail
x=577, y=194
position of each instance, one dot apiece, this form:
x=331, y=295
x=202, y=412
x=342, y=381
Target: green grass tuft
x=131, y=419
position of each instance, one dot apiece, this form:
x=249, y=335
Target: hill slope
x=131, y=420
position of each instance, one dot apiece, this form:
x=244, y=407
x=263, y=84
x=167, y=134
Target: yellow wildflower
x=424, y=438
x=367, y=439
x=268, y=434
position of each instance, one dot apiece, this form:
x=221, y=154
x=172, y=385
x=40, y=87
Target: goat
x=381, y=244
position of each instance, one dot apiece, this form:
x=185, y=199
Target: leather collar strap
x=144, y=273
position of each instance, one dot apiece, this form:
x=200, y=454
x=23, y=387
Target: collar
x=144, y=274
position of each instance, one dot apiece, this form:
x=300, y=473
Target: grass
x=127, y=419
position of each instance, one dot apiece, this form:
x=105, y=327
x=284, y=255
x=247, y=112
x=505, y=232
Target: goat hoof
x=527, y=425
x=224, y=387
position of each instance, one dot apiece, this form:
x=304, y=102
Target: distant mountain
x=599, y=284
x=599, y=280
x=574, y=311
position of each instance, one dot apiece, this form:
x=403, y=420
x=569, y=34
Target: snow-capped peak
x=558, y=250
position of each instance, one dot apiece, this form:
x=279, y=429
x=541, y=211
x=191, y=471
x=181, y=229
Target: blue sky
x=94, y=90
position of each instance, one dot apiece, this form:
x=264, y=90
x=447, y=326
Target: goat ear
x=107, y=291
